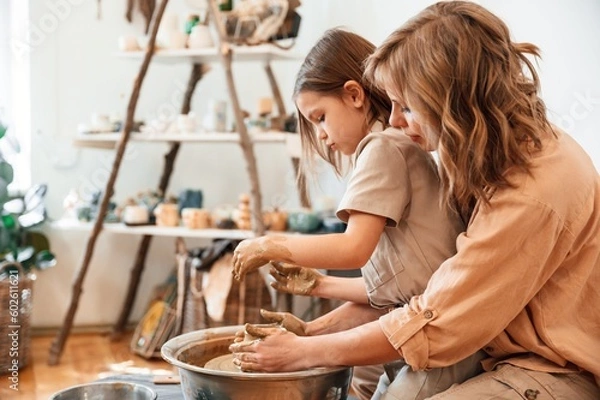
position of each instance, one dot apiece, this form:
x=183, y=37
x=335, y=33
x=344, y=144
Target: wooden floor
x=87, y=357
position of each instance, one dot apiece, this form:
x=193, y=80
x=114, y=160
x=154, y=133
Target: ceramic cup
x=196, y=218
x=128, y=43
x=167, y=214
x=136, y=215
x=186, y=123
x=304, y=221
x=216, y=116
x=101, y=123
x=200, y=37
x=177, y=40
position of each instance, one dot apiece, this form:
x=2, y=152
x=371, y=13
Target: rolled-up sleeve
x=503, y=259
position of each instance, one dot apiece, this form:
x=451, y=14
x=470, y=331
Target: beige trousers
x=512, y=383
x=398, y=381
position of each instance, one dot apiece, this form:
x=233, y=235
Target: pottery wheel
x=222, y=363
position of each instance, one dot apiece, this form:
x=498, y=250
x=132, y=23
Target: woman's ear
x=355, y=93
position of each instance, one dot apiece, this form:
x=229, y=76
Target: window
x=15, y=94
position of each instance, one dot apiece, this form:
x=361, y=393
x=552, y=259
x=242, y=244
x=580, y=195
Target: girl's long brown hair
x=456, y=65
x=338, y=56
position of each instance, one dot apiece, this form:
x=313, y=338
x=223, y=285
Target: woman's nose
x=397, y=118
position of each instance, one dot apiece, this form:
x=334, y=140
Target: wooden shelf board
x=264, y=53
x=74, y=225
x=108, y=140
x=153, y=230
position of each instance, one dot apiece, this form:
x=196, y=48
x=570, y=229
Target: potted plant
x=20, y=214
x=22, y=249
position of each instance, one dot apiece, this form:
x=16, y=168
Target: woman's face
x=338, y=121
x=402, y=117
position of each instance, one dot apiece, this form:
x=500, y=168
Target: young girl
x=523, y=284
x=397, y=231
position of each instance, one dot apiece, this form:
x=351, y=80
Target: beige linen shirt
x=394, y=178
x=525, y=282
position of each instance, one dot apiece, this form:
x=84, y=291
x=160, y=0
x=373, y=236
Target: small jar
x=167, y=214
x=136, y=215
x=195, y=218
x=200, y=37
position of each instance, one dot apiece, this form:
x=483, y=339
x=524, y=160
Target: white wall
x=74, y=73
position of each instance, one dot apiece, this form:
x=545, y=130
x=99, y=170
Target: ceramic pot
x=106, y=390
x=191, y=351
x=186, y=123
x=177, y=40
x=167, y=214
x=200, y=37
x=304, y=221
x=195, y=218
x=276, y=220
x=128, y=43
x=135, y=215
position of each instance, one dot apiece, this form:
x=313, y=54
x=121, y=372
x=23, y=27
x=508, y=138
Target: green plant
x=19, y=216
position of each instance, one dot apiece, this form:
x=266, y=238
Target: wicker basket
x=16, y=302
x=243, y=304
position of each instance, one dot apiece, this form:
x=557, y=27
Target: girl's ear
x=355, y=93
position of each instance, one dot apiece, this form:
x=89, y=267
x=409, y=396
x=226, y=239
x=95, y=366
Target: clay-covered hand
x=294, y=279
x=248, y=256
x=286, y=320
x=261, y=331
x=278, y=351
x=240, y=336
x=254, y=332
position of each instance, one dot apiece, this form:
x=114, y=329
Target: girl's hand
x=252, y=332
x=248, y=256
x=286, y=320
x=294, y=279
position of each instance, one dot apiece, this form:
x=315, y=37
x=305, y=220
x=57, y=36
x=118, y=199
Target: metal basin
x=190, y=352
x=106, y=391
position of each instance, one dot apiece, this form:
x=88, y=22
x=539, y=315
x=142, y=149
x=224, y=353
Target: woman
x=523, y=283
x=397, y=231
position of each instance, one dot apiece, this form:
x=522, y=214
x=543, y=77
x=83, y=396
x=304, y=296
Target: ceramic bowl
x=333, y=225
x=303, y=221
x=191, y=351
x=106, y=390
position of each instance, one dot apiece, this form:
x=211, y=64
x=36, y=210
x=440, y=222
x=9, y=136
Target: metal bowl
x=190, y=352
x=106, y=391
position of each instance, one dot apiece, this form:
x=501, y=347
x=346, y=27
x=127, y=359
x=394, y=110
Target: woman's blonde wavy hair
x=338, y=56
x=455, y=64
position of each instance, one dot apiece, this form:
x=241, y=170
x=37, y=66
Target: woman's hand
x=249, y=256
x=294, y=279
x=286, y=320
x=278, y=351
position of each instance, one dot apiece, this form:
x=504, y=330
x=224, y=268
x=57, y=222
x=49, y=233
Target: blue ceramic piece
x=333, y=225
x=304, y=221
x=190, y=198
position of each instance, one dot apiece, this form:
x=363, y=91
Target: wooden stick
x=275, y=89
x=196, y=74
x=58, y=344
x=258, y=226
x=181, y=255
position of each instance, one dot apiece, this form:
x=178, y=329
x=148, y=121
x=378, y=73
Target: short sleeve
x=379, y=184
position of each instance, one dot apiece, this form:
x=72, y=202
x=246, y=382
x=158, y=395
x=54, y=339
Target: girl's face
x=339, y=121
x=408, y=120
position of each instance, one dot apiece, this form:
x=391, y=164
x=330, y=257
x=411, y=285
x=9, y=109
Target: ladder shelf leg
x=58, y=344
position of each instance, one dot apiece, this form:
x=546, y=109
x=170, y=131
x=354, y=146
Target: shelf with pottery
x=110, y=139
x=206, y=55
x=225, y=54
x=154, y=230
x=167, y=231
